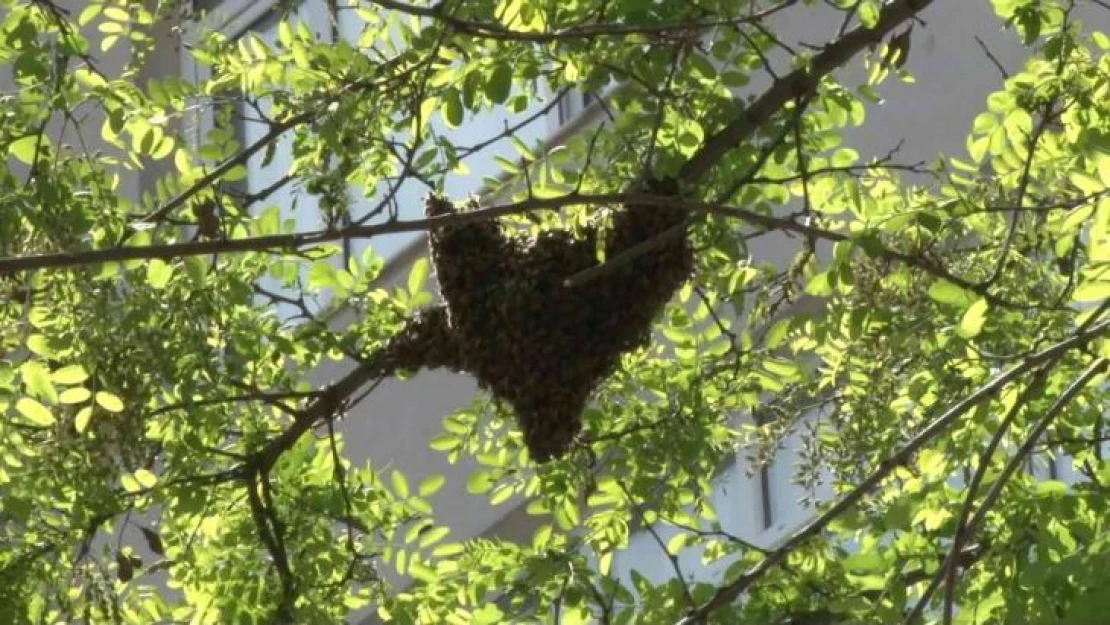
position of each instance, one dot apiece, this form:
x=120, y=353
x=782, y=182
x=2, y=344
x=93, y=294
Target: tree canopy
x=925, y=329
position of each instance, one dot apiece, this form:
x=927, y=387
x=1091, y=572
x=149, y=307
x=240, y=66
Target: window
x=572, y=105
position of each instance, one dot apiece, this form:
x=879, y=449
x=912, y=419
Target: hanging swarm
x=511, y=321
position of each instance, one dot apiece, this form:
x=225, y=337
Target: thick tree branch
x=424, y=342
x=289, y=242
x=492, y=30
x=797, y=84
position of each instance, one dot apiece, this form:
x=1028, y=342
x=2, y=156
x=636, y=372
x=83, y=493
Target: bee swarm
x=510, y=320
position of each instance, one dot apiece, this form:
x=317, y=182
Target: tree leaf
x=81, y=421
x=153, y=540
x=71, y=374
x=36, y=379
x=400, y=484
x=158, y=273
x=145, y=478
x=431, y=484
x=74, y=395
x=974, y=317
x=35, y=412
x=108, y=401
x=944, y=292
x=418, y=275
x=500, y=83
x=452, y=110
x=23, y=149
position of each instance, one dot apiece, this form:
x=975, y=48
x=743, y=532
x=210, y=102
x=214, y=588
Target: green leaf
x=490, y=614
x=1092, y=292
x=75, y=395
x=158, y=273
x=89, y=13
x=322, y=275
x=974, y=317
x=865, y=562
x=869, y=13
x=433, y=536
x=109, y=402
x=676, y=543
x=452, y=110
x=81, y=421
x=431, y=484
x=944, y=292
x=400, y=484
x=71, y=374
x=480, y=482
x=418, y=275
x=38, y=344
x=145, y=478
x=36, y=379
x=23, y=149
x=35, y=412
x=445, y=442
x=129, y=483
x=499, y=83
x=821, y=285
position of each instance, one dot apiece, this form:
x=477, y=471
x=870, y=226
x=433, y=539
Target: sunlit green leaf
x=35, y=412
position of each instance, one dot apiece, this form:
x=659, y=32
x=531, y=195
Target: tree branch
x=729, y=592
x=496, y=31
x=286, y=242
x=1098, y=366
x=800, y=83
x=424, y=342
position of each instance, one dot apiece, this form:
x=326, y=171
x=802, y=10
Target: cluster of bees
x=511, y=320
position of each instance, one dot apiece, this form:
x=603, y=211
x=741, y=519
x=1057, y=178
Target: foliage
x=946, y=321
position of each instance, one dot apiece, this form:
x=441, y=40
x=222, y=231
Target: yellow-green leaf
x=158, y=273
x=676, y=543
x=109, y=402
x=145, y=478
x=431, y=484
x=71, y=374
x=23, y=149
x=1092, y=292
x=944, y=292
x=38, y=344
x=74, y=395
x=36, y=378
x=81, y=422
x=480, y=482
x=400, y=484
x=433, y=536
x=972, y=322
x=35, y=412
x=418, y=275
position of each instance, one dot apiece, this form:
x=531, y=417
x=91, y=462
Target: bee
x=509, y=319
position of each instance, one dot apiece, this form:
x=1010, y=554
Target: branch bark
x=424, y=342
